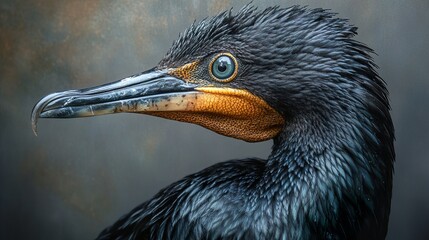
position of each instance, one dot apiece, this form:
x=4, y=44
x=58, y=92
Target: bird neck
x=319, y=168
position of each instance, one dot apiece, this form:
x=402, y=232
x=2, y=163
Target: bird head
x=246, y=76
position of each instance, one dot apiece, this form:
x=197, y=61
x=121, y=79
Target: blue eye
x=223, y=67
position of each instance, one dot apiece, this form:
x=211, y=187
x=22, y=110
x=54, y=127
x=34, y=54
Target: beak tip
x=35, y=130
x=34, y=119
x=38, y=108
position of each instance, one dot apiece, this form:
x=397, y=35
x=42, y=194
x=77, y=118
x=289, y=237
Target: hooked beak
x=228, y=111
x=150, y=91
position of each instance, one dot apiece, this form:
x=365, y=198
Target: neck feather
x=328, y=169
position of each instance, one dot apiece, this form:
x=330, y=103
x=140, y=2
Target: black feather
x=329, y=175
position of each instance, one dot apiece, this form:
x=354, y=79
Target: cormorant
x=294, y=75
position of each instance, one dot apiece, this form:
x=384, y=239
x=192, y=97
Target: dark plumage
x=329, y=175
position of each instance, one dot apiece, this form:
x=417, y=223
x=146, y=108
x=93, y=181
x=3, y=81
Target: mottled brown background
x=80, y=175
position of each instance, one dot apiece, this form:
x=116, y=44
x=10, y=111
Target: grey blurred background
x=80, y=175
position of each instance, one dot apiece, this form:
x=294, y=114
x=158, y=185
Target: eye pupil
x=222, y=67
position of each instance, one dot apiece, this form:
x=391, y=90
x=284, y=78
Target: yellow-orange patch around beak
x=230, y=112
